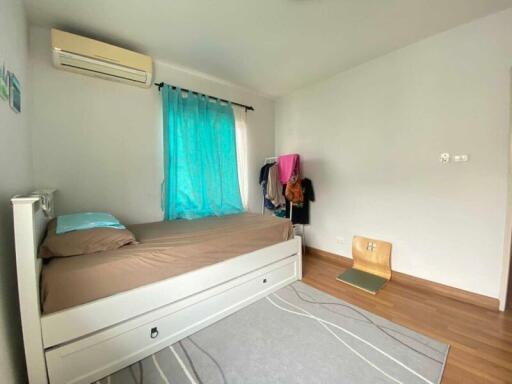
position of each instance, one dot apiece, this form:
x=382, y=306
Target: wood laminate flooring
x=480, y=340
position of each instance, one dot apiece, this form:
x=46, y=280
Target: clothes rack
x=296, y=231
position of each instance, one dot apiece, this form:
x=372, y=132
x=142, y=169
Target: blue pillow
x=86, y=220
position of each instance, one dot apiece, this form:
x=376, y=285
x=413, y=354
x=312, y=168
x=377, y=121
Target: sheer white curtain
x=241, y=151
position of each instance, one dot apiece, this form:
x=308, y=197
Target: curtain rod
x=247, y=107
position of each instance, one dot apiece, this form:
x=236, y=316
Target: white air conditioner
x=90, y=57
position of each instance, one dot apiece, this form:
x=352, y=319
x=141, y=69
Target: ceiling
x=270, y=46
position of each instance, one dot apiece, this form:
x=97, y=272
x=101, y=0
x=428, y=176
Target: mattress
x=165, y=249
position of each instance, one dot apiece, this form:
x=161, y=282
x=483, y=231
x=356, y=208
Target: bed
x=86, y=317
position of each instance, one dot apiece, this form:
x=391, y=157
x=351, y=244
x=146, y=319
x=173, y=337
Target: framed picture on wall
x=4, y=83
x=14, y=93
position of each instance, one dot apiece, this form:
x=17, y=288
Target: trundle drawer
x=98, y=355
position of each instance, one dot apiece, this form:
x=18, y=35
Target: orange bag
x=293, y=191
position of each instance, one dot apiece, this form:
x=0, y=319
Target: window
x=241, y=152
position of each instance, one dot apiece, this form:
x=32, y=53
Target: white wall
x=15, y=177
x=100, y=143
x=371, y=139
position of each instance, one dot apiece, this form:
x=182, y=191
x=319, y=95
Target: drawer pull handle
x=154, y=333
x=264, y=281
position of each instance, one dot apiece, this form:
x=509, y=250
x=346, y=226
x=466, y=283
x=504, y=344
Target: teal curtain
x=201, y=177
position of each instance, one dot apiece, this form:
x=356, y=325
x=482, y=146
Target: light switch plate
x=444, y=158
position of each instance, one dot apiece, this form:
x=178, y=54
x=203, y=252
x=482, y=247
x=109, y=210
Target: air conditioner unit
x=90, y=57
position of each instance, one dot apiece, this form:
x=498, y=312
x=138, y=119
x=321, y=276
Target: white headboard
x=31, y=215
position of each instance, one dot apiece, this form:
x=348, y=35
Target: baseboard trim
x=486, y=302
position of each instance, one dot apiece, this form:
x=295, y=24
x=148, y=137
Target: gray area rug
x=297, y=335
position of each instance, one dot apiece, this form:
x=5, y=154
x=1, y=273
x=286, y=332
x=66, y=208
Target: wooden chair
x=372, y=264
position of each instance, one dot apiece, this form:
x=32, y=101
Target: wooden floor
x=480, y=340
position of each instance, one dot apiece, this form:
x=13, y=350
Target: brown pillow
x=83, y=242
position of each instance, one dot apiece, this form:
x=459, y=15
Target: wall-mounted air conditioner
x=90, y=57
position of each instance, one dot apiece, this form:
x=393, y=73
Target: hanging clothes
x=293, y=191
x=301, y=213
x=289, y=166
x=274, y=187
x=263, y=183
x=280, y=212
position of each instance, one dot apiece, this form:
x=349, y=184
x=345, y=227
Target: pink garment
x=289, y=165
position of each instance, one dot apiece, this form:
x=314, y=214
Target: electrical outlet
x=461, y=158
x=340, y=240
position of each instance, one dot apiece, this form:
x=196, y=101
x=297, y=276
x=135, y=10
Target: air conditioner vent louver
x=90, y=57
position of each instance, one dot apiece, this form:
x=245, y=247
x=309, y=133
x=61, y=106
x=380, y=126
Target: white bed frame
x=85, y=343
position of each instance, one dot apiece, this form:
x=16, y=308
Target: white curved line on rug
x=338, y=338
x=367, y=320
x=307, y=314
x=162, y=375
x=183, y=366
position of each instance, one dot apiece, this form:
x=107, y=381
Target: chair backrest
x=372, y=256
